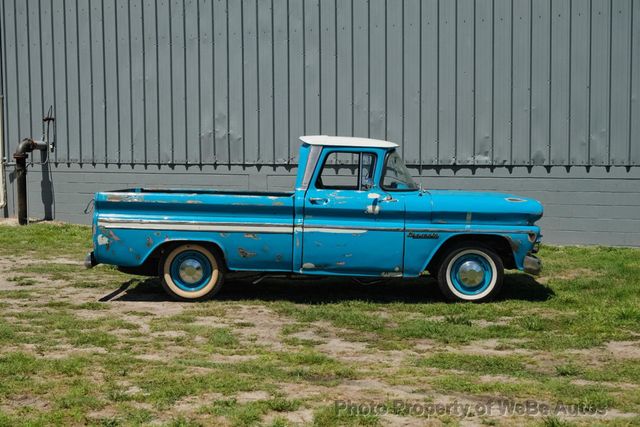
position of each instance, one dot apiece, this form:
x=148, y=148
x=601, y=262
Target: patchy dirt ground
x=101, y=347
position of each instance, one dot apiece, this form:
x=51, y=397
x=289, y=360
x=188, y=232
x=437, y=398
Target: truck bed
x=254, y=229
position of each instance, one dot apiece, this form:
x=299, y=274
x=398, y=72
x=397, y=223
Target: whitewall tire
x=470, y=272
x=191, y=272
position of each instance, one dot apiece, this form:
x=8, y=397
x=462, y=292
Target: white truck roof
x=346, y=141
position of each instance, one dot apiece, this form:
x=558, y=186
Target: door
x=350, y=226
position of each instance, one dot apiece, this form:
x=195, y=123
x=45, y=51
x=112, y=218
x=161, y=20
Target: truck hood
x=451, y=206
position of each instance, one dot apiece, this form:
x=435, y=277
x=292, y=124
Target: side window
x=347, y=171
x=367, y=170
x=395, y=175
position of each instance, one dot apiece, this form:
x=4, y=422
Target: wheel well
x=154, y=257
x=499, y=244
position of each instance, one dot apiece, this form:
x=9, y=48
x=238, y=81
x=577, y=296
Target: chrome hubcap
x=471, y=273
x=191, y=271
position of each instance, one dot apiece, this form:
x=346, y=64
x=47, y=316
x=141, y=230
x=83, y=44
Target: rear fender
x=132, y=248
x=241, y=251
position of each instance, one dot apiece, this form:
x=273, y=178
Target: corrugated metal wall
x=485, y=82
x=522, y=96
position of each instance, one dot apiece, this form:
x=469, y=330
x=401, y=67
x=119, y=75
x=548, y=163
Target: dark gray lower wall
x=582, y=205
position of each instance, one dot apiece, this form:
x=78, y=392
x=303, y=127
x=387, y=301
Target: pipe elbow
x=28, y=145
x=25, y=146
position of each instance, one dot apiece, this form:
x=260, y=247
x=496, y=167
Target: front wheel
x=191, y=272
x=470, y=272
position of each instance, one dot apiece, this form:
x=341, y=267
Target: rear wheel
x=470, y=272
x=191, y=272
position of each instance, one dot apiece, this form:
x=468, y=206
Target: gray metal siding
x=533, y=97
x=486, y=82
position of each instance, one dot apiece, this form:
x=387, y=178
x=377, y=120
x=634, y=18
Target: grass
x=67, y=239
x=281, y=352
x=330, y=417
x=251, y=412
x=489, y=365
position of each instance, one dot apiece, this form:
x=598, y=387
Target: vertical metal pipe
x=25, y=147
x=3, y=186
x=21, y=186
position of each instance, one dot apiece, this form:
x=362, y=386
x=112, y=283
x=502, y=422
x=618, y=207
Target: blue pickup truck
x=355, y=211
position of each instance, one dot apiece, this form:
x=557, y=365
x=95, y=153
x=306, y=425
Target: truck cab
x=355, y=211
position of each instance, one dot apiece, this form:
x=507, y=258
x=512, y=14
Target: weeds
x=570, y=336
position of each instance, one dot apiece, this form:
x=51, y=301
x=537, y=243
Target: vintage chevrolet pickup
x=355, y=211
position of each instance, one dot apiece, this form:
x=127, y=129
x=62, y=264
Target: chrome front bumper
x=532, y=265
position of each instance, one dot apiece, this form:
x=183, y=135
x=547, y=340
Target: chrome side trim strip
x=465, y=230
x=195, y=226
x=116, y=220
x=153, y=224
x=347, y=229
x=337, y=230
x=146, y=224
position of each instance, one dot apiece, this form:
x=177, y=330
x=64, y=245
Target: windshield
x=396, y=176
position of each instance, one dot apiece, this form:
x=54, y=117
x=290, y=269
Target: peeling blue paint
x=368, y=231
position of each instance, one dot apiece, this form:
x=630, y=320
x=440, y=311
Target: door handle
x=318, y=200
x=388, y=198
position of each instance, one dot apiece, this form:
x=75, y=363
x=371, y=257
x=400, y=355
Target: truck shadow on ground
x=332, y=290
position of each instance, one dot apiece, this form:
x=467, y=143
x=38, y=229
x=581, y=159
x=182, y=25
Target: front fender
x=421, y=250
